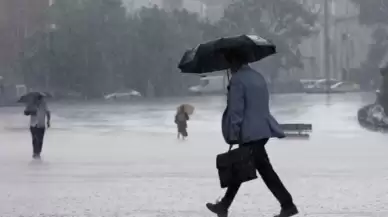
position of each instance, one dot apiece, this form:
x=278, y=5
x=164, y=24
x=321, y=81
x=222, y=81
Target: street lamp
x=327, y=14
x=51, y=29
x=344, y=56
x=346, y=47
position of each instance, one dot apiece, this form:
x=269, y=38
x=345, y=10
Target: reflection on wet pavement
x=124, y=160
x=335, y=114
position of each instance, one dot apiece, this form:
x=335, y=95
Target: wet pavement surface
x=124, y=160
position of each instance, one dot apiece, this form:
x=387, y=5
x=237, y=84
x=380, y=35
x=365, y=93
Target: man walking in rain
x=248, y=121
x=38, y=112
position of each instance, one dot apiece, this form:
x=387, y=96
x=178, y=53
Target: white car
x=344, y=87
x=324, y=83
x=210, y=85
x=320, y=86
x=308, y=83
x=123, y=95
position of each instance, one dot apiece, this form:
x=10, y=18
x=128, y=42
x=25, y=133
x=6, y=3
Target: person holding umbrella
x=181, y=118
x=247, y=120
x=38, y=111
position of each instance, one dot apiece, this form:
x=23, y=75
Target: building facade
x=349, y=41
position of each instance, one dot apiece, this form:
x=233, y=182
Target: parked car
x=284, y=87
x=325, y=83
x=344, y=87
x=321, y=86
x=210, y=85
x=308, y=83
x=123, y=95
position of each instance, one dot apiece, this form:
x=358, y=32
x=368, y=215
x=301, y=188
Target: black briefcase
x=236, y=166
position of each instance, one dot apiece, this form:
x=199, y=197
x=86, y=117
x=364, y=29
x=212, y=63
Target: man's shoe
x=288, y=212
x=36, y=156
x=218, y=209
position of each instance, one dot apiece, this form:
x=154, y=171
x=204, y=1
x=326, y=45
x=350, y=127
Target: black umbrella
x=210, y=56
x=31, y=96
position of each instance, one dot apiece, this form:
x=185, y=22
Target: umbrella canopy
x=31, y=96
x=210, y=56
x=189, y=109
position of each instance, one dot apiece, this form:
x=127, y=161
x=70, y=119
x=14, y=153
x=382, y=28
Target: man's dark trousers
x=267, y=173
x=37, y=139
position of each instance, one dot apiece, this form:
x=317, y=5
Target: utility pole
x=51, y=58
x=327, y=66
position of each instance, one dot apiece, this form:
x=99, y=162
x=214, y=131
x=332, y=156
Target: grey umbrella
x=31, y=96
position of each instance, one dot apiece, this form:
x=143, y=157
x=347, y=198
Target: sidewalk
x=149, y=175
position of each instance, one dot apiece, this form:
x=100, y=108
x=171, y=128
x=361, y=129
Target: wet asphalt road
x=124, y=160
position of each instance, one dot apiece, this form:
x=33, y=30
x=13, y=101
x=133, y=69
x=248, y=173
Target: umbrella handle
x=228, y=76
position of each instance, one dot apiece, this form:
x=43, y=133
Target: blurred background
x=90, y=49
